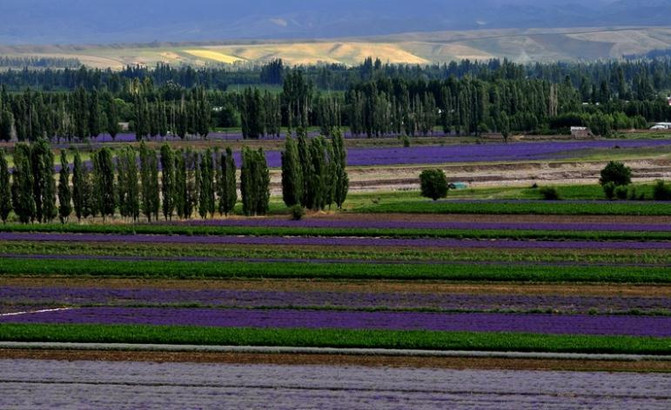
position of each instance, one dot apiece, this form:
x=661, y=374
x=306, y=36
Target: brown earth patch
x=348, y=286
x=466, y=218
x=340, y=360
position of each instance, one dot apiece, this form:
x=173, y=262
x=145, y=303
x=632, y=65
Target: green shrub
x=617, y=173
x=621, y=192
x=661, y=191
x=609, y=190
x=297, y=212
x=434, y=184
x=549, y=193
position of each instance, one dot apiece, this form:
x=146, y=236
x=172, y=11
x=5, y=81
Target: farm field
x=189, y=385
x=456, y=288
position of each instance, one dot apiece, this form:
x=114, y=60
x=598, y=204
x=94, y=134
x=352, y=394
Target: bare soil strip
x=465, y=218
x=339, y=360
x=348, y=286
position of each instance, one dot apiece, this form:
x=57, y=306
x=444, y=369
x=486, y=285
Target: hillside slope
x=411, y=48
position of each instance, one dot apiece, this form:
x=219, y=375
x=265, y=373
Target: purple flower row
x=317, y=319
x=354, y=300
x=522, y=151
x=331, y=241
x=459, y=153
x=375, y=223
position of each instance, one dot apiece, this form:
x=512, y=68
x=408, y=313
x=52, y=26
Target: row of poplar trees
x=314, y=172
x=129, y=183
x=137, y=182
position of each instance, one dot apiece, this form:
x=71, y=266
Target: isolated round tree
x=434, y=184
x=617, y=173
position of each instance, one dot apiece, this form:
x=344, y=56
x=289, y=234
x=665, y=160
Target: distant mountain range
x=141, y=21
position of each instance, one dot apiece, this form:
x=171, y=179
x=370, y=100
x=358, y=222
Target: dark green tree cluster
x=615, y=177
x=127, y=182
x=227, y=190
x=372, y=99
x=5, y=188
x=433, y=183
x=314, y=172
x=254, y=182
x=260, y=114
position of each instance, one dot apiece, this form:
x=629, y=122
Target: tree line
x=627, y=77
x=379, y=100
x=132, y=183
x=143, y=182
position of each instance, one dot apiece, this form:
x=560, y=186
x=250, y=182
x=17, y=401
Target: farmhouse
x=581, y=132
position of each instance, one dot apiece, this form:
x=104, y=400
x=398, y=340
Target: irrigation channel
x=29, y=384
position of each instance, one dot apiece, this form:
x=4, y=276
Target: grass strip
x=337, y=232
x=581, y=256
x=521, y=207
x=486, y=341
x=455, y=272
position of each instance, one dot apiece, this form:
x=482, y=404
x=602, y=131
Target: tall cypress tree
x=292, y=174
x=206, y=189
x=231, y=184
x=180, y=184
x=246, y=181
x=6, y=125
x=103, y=177
x=255, y=182
x=64, y=192
x=228, y=193
x=149, y=177
x=317, y=174
x=44, y=185
x=127, y=184
x=305, y=160
x=5, y=188
x=22, y=185
x=78, y=186
x=262, y=178
x=94, y=114
x=168, y=181
x=341, y=177
x=112, y=126
x=191, y=193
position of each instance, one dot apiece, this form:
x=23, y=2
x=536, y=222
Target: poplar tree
x=5, y=188
x=292, y=174
x=255, y=182
x=305, y=160
x=6, y=124
x=180, y=184
x=78, y=188
x=191, y=193
x=64, y=192
x=316, y=183
x=22, y=185
x=206, y=189
x=94, y=114
x=103, y=187
x=341, y=177
x=112, y=126
x=168, y=177
x=127, y=184
x=44, y=186
x=227, y=186
x=149, y=178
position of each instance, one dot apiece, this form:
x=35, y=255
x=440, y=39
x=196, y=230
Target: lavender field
x=326, y=319
x=17, y=298
x=465, y=153
x=334, y=241
x=29, y=384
